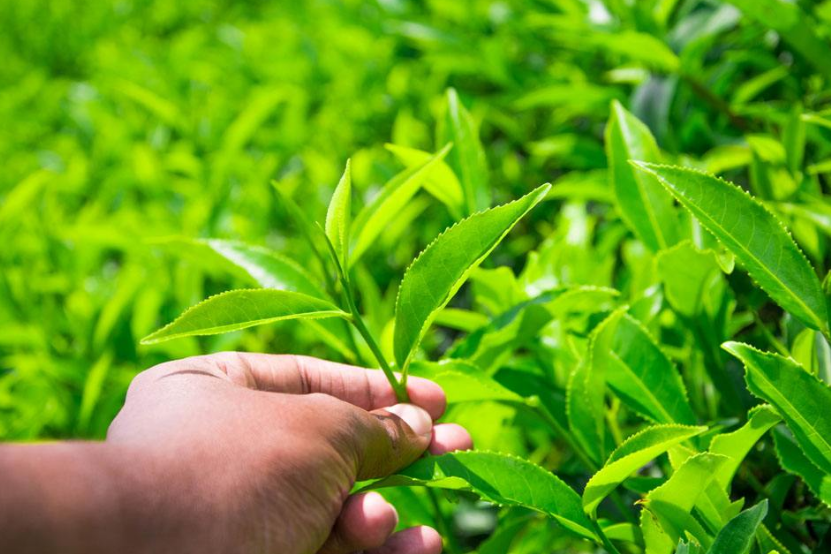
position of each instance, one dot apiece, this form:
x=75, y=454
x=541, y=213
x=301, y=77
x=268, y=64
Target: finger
x=416, y=540
x=366, y=521
x=365, y=388
x=449, y=437
x=386, y=440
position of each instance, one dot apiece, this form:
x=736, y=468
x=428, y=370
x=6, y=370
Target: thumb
x=392, y=438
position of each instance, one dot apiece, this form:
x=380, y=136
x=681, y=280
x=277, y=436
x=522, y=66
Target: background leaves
x=157, y=154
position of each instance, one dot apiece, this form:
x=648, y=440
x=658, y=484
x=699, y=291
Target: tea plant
x=640, y=351
x=618, y=368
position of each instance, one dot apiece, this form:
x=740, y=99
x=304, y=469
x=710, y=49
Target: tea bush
x=640, y=349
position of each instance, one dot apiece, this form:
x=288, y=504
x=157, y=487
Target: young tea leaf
x=802, y=400
x=239, y=309
x=737, y=536
x=438, y=272
x=339, y=215
x=468, y=157
x=497, y=478
x=377, y=215
x=464, y=382
x=442, y=183
x=644, y=378
x=586, y=389
x=267, y=268
x=737, y=444
x=644, y=204
x=631, y=455
x=758, y=240
x=667, y=509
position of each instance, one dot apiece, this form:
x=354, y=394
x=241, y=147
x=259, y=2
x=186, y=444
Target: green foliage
x=339, y=217
x=801, y=399
x=644, y=204
x=632, y=455
x=157, y=154
x=240, y=309
x=754, y=236
x=737, y=537
x=501, y=479
x=442, y=268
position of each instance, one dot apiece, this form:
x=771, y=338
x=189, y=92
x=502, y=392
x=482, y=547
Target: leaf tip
x=735, y=348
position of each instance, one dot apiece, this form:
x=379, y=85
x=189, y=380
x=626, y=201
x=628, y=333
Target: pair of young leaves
x=427, y=286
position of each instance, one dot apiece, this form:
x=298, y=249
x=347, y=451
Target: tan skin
x=230, y=453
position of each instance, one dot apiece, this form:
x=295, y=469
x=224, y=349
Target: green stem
x=607, y=544
x=400, y=388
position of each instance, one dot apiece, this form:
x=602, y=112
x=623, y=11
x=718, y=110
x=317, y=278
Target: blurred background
x=128, y=121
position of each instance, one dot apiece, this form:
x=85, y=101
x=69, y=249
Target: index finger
x=365, y=388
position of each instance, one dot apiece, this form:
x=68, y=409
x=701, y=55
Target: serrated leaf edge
x=651, y=167
x=540, y=192
x=771, y=354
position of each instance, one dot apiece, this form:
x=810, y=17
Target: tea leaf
x=375, y=216
x=239, y=309
x=267, y=268
x=438, y=272
x=687, y=274
x=464, y=382
x=754, y=235
x=497, y=478
x=793, y=460
x=737, y=536
x=339, y=215
x=644, y=378
x=441, y=182
x=737, y=444
x=631, y=455
x=586, y=390
x=468, y=157
x=644, y=204
x=802, y=400
x=666, y=516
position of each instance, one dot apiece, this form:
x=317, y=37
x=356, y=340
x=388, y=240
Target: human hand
x=260, y=451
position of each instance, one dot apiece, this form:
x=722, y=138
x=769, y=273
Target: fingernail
x=419, y=420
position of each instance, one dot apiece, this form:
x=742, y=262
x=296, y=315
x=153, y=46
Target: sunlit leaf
x=643, y=377
x=737, y=445
x=501, y=479
x=467, y=157
x=644, y=204
x=239, y=309
x=373, y=219
x=339, y=217
x=802, y=400
x=667, y=516
x=754, y=235
x=438, y=272
x=632, y=455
